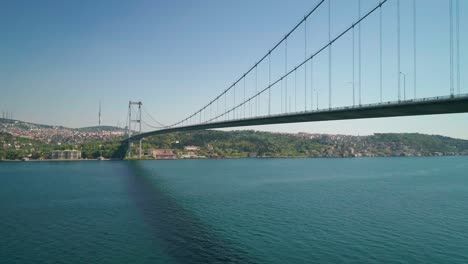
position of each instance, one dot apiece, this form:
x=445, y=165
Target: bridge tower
x=136, y=120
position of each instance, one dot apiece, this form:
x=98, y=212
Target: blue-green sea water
x=368, y=210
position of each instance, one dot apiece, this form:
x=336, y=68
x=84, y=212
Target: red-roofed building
x=163, y=153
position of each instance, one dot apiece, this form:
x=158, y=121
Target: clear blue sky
x=59, y=58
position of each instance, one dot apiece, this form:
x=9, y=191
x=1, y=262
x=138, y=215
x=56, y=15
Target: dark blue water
x=369, y=210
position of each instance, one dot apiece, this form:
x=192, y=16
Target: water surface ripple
x=369, y=210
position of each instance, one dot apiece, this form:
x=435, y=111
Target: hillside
x=59, y=134
x=22, y=139
x=241, y=143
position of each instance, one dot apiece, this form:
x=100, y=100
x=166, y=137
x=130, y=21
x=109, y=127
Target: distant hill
x=28, y=125
x=59, y=134
x=23, y=124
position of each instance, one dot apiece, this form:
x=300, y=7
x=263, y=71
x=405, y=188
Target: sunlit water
x=369, y=210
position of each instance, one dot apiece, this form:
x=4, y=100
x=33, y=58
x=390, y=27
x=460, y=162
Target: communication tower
x=99, y=113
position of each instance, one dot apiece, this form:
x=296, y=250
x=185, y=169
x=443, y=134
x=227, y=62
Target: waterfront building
x=163, y=153
x=190, y=155
x=252, y=154
x=65, y=154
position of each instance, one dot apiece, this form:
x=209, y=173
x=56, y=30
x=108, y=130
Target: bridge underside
x=440, y=105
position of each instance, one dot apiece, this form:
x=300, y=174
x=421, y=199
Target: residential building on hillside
x=191, y=148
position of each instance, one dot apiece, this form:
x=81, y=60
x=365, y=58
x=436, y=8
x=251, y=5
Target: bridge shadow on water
x=183, y=237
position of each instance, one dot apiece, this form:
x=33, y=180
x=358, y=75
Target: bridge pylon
x=136, y=120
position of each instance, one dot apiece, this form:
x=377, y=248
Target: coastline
x=277, y=157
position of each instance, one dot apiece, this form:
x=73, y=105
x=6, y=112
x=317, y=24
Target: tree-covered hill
x=213, y=143
x=240, y=143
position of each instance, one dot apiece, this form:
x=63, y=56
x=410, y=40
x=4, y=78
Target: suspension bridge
x=295, y=84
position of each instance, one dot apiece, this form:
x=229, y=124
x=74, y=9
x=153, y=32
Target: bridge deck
x=427, y=106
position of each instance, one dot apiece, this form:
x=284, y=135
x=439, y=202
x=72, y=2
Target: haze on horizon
x=60, y=58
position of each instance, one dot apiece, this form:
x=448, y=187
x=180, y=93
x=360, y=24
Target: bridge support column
x=129, y=150
x=140, y=149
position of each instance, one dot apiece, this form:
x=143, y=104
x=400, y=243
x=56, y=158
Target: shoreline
x=58, y=160
x=283, y=157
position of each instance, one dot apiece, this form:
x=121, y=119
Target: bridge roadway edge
x=428, y=106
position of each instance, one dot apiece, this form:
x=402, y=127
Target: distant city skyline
x=75, y=64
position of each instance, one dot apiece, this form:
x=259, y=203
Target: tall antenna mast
x=99, y=112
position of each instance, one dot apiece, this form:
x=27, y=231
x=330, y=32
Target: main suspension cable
x=255, y=65
x=161, y=125
x=305, y=61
